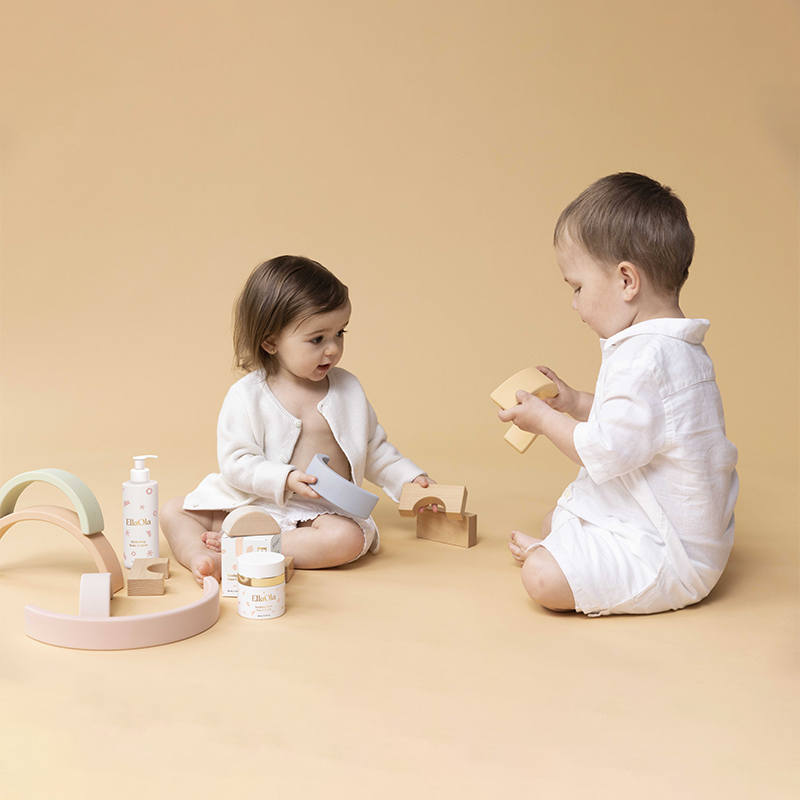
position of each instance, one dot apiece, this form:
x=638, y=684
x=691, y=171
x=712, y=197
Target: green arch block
x=79, y=494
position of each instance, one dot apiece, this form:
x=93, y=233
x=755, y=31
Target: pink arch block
x=96, y=543
x=125, y=633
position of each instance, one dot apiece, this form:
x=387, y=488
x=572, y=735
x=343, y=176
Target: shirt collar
x=692, y=331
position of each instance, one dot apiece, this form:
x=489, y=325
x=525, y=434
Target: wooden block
x=147, y=577
x=95, y=596
x=250, y=521
x=529, y=380
x=96, y=543
x=125, y=633
x=452, y=498
x=86, y=506
x=437, y=527
x=519, y=439
x=289, y=568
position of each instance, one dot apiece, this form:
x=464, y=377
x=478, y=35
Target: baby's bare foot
x=520, y=545
x=212, y=539
x=205, y=565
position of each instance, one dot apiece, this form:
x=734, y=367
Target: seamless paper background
x=151, y=154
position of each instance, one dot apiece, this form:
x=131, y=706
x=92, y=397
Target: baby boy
x=647, y=525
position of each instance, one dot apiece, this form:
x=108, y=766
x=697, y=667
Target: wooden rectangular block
x=147, y=577
x=441, y=528
x=289, y=568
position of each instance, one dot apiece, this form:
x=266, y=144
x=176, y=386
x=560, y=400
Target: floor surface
x=423, y=671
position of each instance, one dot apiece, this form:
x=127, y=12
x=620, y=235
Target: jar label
x=262, y=602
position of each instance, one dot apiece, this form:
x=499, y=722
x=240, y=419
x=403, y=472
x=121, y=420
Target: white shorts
x=606, y=575
x=301, y=510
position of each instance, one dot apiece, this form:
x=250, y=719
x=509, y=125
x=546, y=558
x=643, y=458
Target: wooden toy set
x=246, y=530
x=94, y=628
x=450, y=525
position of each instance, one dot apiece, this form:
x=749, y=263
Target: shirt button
x=195, y=504
x=298, y=424
x=285, y=460
x=567, y=494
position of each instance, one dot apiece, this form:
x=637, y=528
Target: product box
x=233, y=546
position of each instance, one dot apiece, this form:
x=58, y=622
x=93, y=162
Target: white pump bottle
x=139, y=514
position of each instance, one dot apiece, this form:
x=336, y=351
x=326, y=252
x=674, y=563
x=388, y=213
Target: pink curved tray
x=96, y=543
x=125, y=633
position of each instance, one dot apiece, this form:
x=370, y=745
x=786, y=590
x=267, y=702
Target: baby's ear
x=269, y=345
x=631, y=279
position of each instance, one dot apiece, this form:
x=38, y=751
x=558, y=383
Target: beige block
x=528, y=380
x=250, y=521
x=438, y=527
x=147, y=577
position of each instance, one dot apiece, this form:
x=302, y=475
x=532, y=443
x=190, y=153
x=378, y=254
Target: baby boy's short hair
x=630, y=217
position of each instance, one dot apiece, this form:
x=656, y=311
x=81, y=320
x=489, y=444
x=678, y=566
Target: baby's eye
x=342, y=332
x=316, y=340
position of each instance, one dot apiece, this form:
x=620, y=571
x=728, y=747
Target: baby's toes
x=203, y=567
x=516, y=551
x=521, y=544
x=211, y=540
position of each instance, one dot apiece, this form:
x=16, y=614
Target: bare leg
x=327, y=541
x=545, y=582
x=185, y=531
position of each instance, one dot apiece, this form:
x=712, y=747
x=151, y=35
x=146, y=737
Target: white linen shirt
x=256, y=437
x=658, y=468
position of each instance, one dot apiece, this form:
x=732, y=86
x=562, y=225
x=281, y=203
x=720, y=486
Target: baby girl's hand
x=425, y=482
x=297, y=482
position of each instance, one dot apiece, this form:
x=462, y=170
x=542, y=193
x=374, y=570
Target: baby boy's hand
x=566, y=398
x=424, y=481
x=528, y=414
x=298, y=482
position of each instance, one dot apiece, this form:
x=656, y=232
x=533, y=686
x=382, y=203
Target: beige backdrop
x=151, y=154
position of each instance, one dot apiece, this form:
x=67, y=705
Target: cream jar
x=262, y=585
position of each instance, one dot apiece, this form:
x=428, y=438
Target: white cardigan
x=256, y=437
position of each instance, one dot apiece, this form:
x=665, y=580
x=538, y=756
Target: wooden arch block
x=250, y=521
x=124, y=633
x=85, y=523
x=529, y=380
x=96, y=543
x=79, y=494
x=452, y=498
x=454, y=526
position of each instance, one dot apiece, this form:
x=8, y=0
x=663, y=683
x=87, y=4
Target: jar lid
x=261, y=565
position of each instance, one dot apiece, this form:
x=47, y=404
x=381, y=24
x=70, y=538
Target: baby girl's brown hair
x=278, y=293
